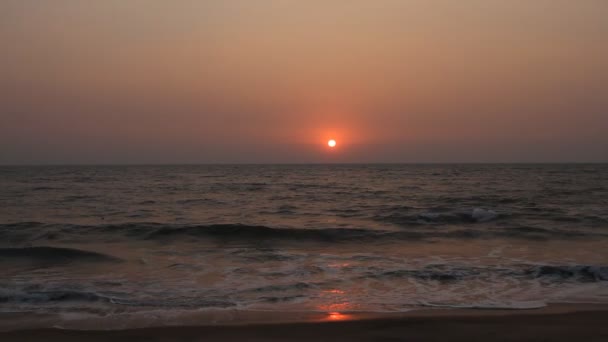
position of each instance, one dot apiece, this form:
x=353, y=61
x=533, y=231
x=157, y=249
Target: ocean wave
x=24, y=297
x=439, y=216
x=282, y=288
x=199, y=201
x=37, y=297
x=283, y=299
x=261, y=255
x=28, y=232
x=240, y=232
x=452, y=273
x=54, y=254
x=438, y=273
x=511, y=305
x=579, y=272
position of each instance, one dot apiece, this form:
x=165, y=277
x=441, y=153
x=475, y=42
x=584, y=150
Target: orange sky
x=150, y=81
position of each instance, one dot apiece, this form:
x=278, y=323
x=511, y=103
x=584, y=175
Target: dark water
x=155, y=241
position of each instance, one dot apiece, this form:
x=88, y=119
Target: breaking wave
x=28, y=232
x=54, y=254
x=74, y=296
x=38, y=297
x=447, y=273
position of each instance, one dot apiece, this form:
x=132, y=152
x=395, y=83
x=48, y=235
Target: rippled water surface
x=155, y=240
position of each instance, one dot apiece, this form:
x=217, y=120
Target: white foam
x=483, y=215
x=430, y=216
x=514, y=305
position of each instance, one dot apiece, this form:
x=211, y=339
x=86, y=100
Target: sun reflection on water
x=337, y=304
x=337, y=316
x=334, y=291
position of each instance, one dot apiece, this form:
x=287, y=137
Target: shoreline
x=558, y=322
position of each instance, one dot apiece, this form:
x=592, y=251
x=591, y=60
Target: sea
x=124, y=246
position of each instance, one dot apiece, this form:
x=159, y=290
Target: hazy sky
x=194, y=81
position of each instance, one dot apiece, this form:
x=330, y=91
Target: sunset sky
x=271, y=81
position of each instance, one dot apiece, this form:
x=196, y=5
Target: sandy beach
x=555, y=323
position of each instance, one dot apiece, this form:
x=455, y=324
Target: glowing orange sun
x=332, y=143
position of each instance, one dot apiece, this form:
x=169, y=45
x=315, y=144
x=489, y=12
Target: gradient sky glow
x=242, y=81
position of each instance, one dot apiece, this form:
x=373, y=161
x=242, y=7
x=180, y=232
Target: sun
x=332, y=143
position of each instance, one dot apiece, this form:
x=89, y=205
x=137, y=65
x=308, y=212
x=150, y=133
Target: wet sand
x=556, y=323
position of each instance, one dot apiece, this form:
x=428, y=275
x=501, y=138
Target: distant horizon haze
x=270, y=81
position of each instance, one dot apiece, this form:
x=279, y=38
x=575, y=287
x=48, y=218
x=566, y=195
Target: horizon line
x=306, y=163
